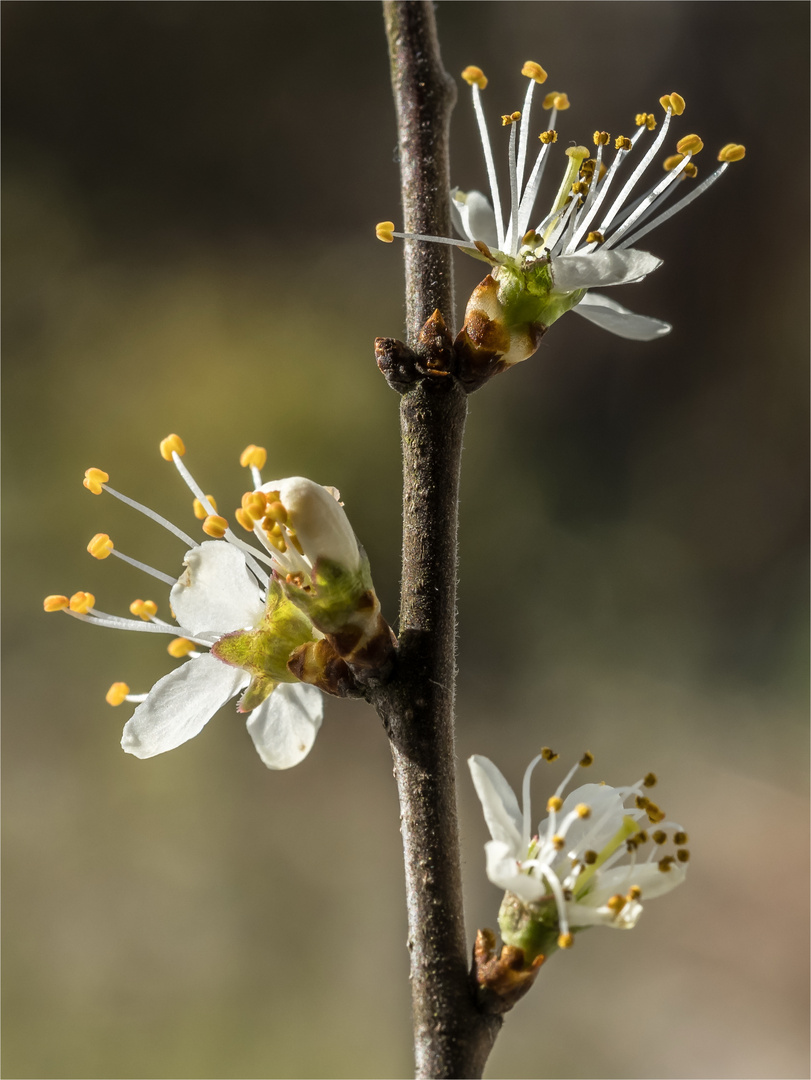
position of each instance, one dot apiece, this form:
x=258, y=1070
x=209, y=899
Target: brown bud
x=501, y=979
x=317, y=663
x=436, y=354
x=397, y=363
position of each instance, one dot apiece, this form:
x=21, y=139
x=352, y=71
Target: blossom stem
x=452, y=1035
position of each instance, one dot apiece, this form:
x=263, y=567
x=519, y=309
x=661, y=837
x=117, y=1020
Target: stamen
x=100, y=546
x=622, y=142
x=661, y=218
x=680, y=837
x=93, y=480
x=215, y=526
x=512, y=231
x=180, y=647
x=200, y=510
x=144, y=609
x=553, y=804
x=586, y=760
x=165, y=578
x=384, y=230
x=674, y=102
x=536, y=74
x=566, y=941
x=556, y=100
x=117, y=693
x=644, y=207
x=255, y=456
x=690, y=144
x=171, y=445
x=534, y=71
x=582, y=810
x=631, y=182
x=547, y=137
x=634, y=893
x=731, y=152
x=55, y=603
x=474, y=76
x=650, y=779
x=647, y=120
x=512, y=118
x=82, y=602
x=683, y=855
x=549, y=755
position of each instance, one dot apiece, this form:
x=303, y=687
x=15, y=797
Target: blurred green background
x=190, y=192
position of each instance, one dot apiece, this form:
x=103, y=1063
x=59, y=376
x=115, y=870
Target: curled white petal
x=180, y=705
x=609, y=315
x=503, y=870
x=319, y=520
x=284, y=727
x=605, y=819
x=216, y=592
x=599, y=269
x=501, y=810
x=473, y=216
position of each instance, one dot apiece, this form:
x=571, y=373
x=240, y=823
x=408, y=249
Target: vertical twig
x=452, y=1035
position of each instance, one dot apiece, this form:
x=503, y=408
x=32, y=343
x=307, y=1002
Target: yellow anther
x=595, y=237
x=577, y=153
x=580, y=187
x=587, y=168
x=100, y=546
x=586, y=760
x=655, y=815
x=553, y=804
x=55, y=603
x=117, y=693
x=200, y=511
x=589, y=857
x=565, y=941
x=674, y=102
x=548, y=137
x=558, y=843
x=731, y=152
x=172, y=444
x=275, y=496
x=534, y=71
x=556, y=100
x=650, y=779
x=683, y=855
x=384, y=230
x=93, y=479
x=671, y=162
x=641, y=837
x=659, y=837
x=690, y=171
x=510, y=119
x=582, y=810
x=245, y=520
x=547, y=754
x=634, y=893
x=666, y=863
x=179, y=647
x=601, y=138
x=680, y=837
x=258, y=455
x=641, y=801
x=690, y=144
x=82, y=602
x=276, y=511
x=616, y=903
x=254, y=504
x=144, y=609
x=277, y=542
x=474, y=76
x=215, y=526
x=645, y=119
x=622, y=142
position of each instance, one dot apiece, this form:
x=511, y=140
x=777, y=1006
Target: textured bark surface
x=453, y=1036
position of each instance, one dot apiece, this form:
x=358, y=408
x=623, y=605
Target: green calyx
x=264, y=651
x=526, y=295
x=336, y=594
x=531, y=927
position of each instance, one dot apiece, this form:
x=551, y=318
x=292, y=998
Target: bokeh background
x=190, y=191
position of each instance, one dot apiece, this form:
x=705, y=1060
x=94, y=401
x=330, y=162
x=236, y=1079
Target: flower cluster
x=583, y=865
x=545, y=265
x=275, y=623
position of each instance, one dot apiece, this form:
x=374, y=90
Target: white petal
x=607, y=816
x=502, y=870
x=651, y=880
x=473, y=216
x=180, y=705
x=284, y=727
x=216, y=592
x=601, y=268
x=501, y=810
x=319, y=520
x=619, y=320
